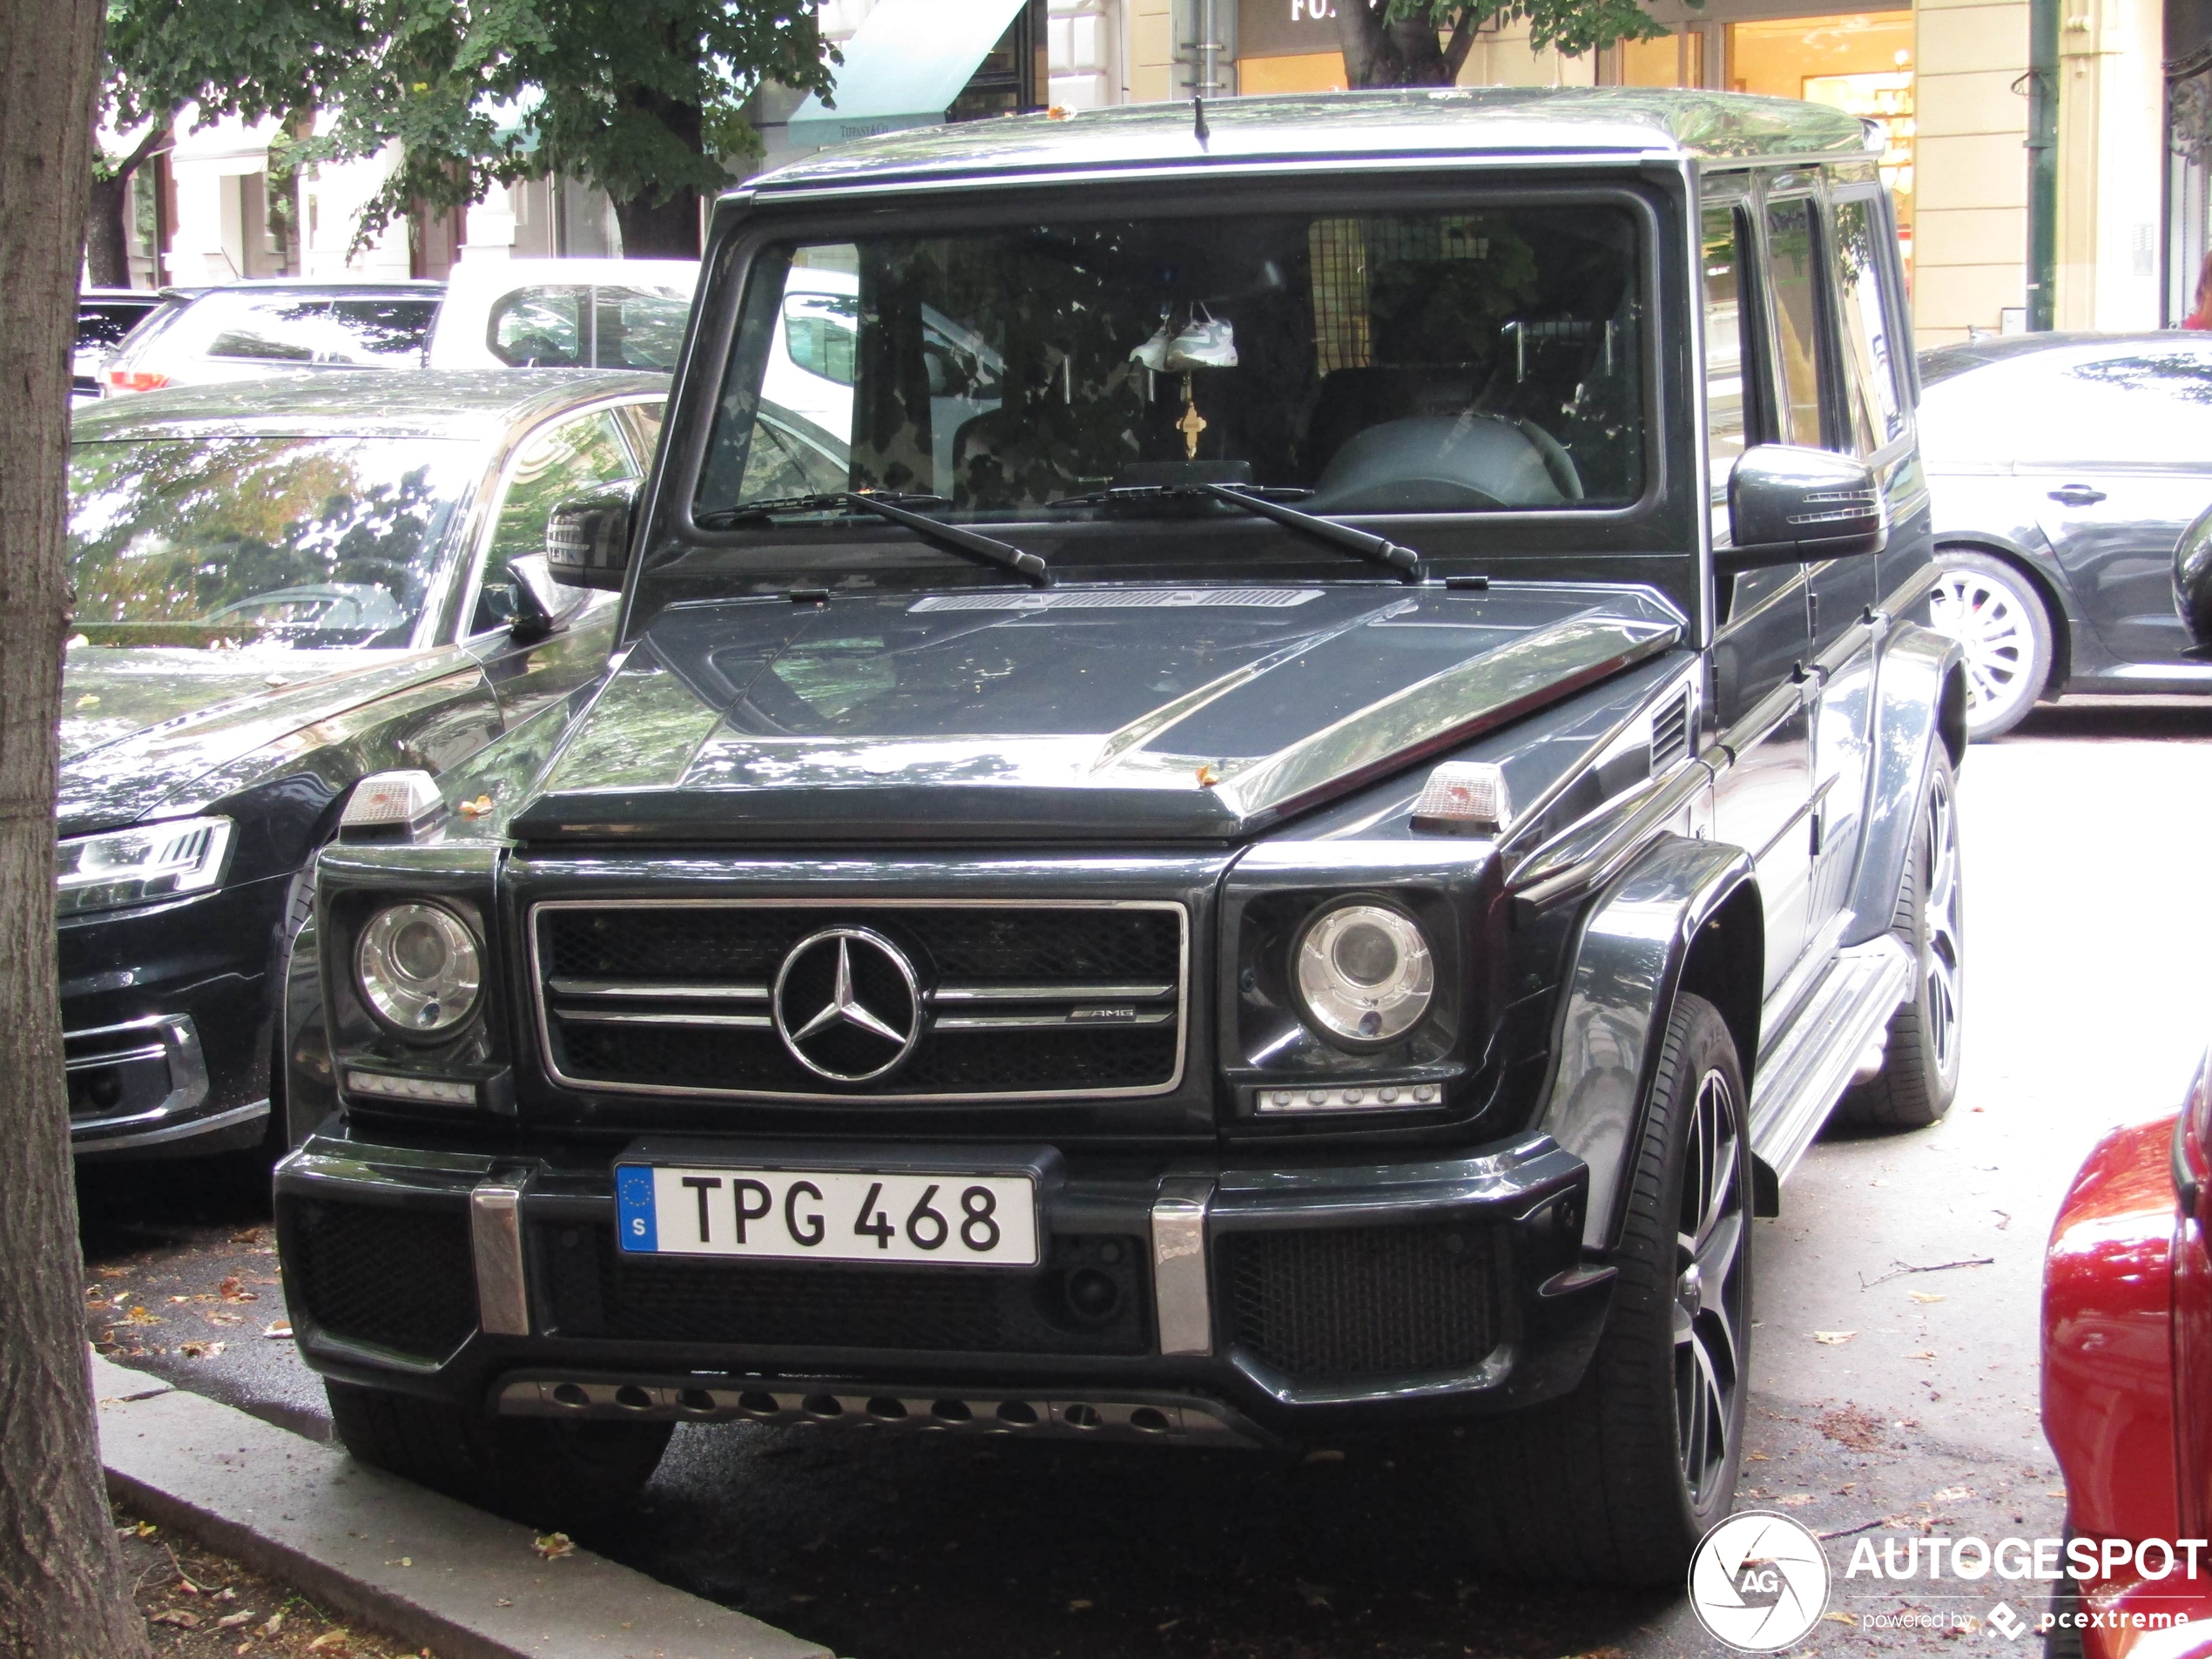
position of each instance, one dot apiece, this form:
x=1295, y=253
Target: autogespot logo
x=1758, y=1583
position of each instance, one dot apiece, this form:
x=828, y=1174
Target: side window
x=1792, y=281
x=576, y=455
x=539, y=328
x=1731, y=355
x=639, y=328
x=818, y=334
x=2150, y=406
x=281, y=331
x=1869, y=365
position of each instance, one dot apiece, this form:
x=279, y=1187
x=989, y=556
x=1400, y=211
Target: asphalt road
x=2085, y=989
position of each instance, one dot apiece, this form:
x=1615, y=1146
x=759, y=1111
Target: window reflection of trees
x=341, y=537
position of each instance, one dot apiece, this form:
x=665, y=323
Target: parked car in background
x=565, y=313
x=1262, y=862
x=283, y=585
x=251, y=330
x=103, y=317
x=2064, y=468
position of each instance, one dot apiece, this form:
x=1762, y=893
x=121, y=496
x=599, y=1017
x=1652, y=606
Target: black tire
x=1616, y=1482
x=546, y=1473
x=1919, y=1074
x=1997, y=614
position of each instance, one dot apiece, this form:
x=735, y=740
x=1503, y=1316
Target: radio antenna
x=1199, y=118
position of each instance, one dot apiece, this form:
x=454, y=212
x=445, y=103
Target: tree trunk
x=667, y=230
x=62, y=1594
x=1379, y=52
x=107, y=239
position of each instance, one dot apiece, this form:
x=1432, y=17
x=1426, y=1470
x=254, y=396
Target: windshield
x=304, y=544
x=1403, y=362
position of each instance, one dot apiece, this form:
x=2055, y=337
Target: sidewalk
x=414, y=1564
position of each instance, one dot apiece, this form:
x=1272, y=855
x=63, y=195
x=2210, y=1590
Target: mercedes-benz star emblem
x=847, y=1005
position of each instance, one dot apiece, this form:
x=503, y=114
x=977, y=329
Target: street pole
x=2042, y=146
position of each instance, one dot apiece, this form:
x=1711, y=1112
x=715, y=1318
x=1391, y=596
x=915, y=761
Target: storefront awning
x=904, y=68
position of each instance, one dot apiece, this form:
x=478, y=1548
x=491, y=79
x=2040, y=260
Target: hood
x=140, y=724
x=1075, y=714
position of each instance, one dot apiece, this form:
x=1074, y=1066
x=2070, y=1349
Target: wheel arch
x=2057, y=611
x=1686, y=916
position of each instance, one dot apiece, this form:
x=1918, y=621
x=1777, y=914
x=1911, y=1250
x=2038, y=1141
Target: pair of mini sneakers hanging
x=1204, y=342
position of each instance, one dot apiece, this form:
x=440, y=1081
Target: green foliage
x=1571, y=26
x=639, y=97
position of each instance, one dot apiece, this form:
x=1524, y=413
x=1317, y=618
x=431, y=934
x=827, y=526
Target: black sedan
x=282, y=586
x=2064, y=468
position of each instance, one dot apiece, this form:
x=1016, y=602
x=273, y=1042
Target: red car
x=2128, y=1388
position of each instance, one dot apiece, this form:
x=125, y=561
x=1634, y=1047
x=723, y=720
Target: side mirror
x=587, y=537
x=544, y=604
x=1787, y=505
x=2192, y=583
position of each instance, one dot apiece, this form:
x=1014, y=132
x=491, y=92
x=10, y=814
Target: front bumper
x=166, y=1019
x=1244, y=1304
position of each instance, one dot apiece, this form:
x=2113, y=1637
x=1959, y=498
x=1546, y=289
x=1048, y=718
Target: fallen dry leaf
x=282, y=1330
x=332, y=1640
x=1924, y=1353
x=1846, y=1618
x=200, y=1349
x=1854, y=1426
x=554, y=1545
x=1795, y=1501
x=1756, y=1457
x=275, y=1623
x=501, y=1600
x=231, y=1620
x=1952, y=1494
x=183, y=1618
x=1925, y=1296
x=139, y=1315
x=1834, y=1339
x=233, y=1289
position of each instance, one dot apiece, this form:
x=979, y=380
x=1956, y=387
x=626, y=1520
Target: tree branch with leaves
x=1426, y=43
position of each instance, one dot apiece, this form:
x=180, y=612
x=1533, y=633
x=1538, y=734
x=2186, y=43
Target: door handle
x=2077, y=496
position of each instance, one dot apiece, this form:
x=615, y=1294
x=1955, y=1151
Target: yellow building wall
x=1970, y=233
x=1151, y=52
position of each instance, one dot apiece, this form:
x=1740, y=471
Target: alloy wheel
x=1989, y=620
x=1943, y=937
x=1710, y=1286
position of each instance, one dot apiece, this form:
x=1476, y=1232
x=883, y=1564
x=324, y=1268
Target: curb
x=411, y=1563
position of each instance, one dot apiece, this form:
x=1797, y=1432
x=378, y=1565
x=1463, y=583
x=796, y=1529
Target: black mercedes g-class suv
x=1285, y=819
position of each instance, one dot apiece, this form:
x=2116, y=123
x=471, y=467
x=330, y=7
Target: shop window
x=1869, y=370
x=1792, y=263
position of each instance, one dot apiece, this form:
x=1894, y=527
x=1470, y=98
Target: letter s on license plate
x=827, y=1215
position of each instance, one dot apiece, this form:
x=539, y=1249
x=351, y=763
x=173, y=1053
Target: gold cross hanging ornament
x=1191, y=424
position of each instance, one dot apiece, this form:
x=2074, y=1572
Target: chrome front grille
x=1067, y=999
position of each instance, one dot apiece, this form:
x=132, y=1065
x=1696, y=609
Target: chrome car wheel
x=1999, y=625
x=1942, y=946
x=1709, y=1288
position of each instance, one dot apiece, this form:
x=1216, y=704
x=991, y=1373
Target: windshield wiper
x=1380, y=549
x=957, y=537
x=1267, y=503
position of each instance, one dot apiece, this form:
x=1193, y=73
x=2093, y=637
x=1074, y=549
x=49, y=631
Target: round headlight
x=420, y=967
x=1364, y=973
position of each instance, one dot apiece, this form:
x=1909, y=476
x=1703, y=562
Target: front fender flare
x=1627, y=964
x=1918, y=665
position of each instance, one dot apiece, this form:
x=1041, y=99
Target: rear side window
x=1730, y=349
x=1793, y=258
x=638, y=328
x=316, y=328
x=1871, y=368
x=539, y=328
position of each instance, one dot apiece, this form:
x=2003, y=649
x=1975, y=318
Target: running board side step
x=1804, y=1071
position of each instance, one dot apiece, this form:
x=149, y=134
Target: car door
x=2117, y=463
x=1756, y=391
x=567, y=456
x=1870, y=415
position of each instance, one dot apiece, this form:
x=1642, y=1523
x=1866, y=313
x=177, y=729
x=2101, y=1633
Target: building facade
x=1947, y=82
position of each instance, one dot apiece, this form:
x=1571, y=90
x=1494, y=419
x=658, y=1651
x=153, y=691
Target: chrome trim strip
x=624, y=1016
x=1181, y=1296
x=1047, y=1021
x=658, y=992
x=496, y=1231
x=1070, y=993
x=83, y=1145
x=857, y=905
x=119, y=1058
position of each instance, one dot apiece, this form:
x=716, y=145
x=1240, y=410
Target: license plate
x=827, y=1215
